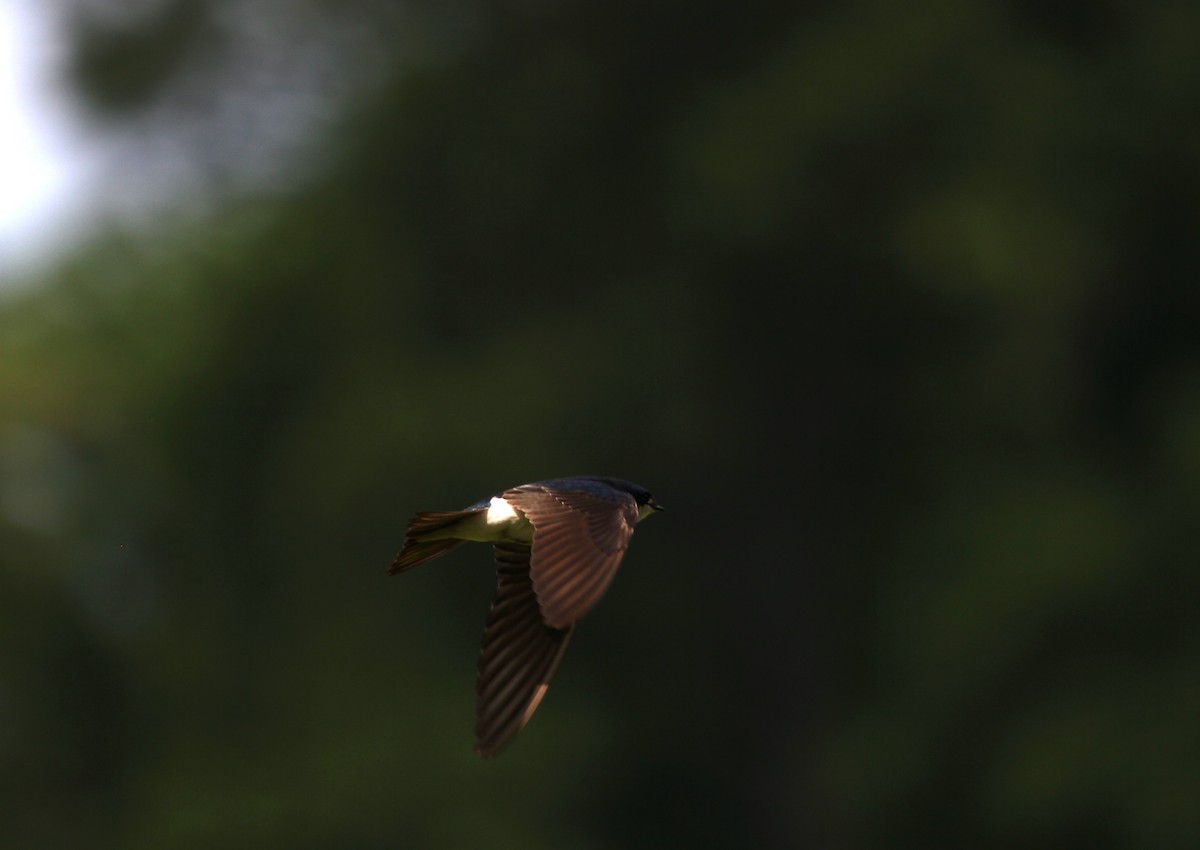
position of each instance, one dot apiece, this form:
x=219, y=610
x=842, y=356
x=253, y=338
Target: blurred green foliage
x=894, y=307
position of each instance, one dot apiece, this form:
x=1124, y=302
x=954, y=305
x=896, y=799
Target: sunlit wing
x=579, y=540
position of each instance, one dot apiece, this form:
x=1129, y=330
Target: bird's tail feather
x=418, y=547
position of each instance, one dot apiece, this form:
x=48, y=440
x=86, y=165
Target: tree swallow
x=557, y=544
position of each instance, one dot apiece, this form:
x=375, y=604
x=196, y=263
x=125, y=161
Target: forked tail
x=418, y=548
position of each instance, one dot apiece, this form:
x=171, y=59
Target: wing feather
x=579, y=540
x=519, y=655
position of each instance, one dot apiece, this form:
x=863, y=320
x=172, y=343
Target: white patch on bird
x=500, y=512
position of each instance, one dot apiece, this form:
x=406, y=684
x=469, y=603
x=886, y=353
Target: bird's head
x=645, y=502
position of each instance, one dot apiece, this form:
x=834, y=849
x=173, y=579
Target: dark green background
x=894, y=307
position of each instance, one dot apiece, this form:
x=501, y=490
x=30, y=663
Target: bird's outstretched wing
x=579, y=539
x=519, y=656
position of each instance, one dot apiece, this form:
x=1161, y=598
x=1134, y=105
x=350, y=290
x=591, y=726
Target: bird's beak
x=654, y=505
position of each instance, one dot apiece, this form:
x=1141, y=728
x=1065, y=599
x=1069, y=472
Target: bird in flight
x=557, y=545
